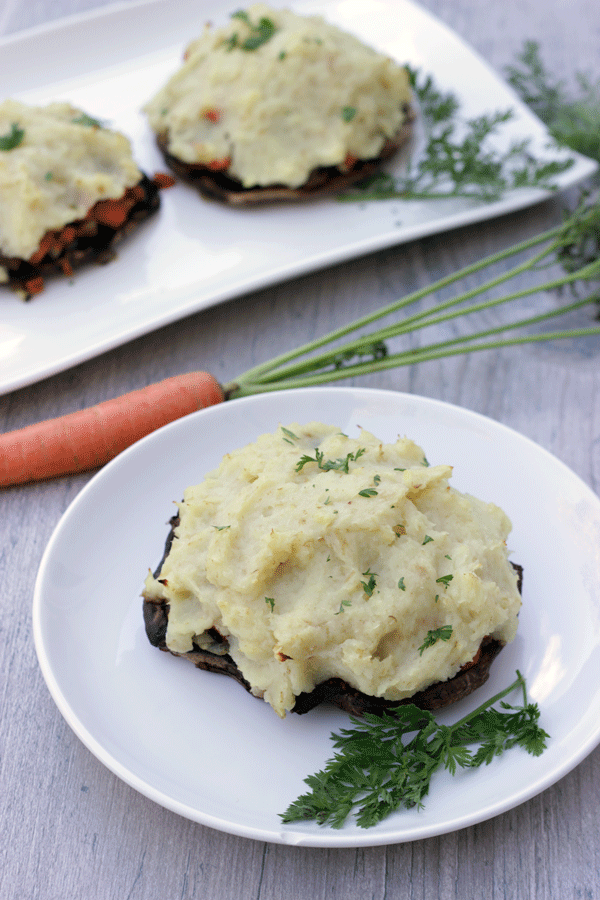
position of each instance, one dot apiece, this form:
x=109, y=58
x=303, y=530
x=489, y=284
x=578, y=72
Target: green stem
x=415, y=323
x=519, y=680
x=258, y=371
x=402, y=359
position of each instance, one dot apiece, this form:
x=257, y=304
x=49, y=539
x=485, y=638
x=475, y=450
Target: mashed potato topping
x=55, y=163
x=317, y=555
x=272, y=96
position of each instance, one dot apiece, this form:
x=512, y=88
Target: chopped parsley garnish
x=348, y=113
x=370, y=492
x=445, y=580
x=385, y=763
x=370, y=585
x=88, y=121
x=13, y=138
x=270, y=602
x=343, y=605
x=327, y=465
x=221, y=527
x=443, y=633
x=426, y=539
x=260, y=33
x=401, y=584
x=289, y=435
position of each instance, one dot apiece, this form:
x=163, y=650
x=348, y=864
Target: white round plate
x=197, y=743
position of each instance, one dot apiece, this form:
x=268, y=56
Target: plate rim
x=288, y=835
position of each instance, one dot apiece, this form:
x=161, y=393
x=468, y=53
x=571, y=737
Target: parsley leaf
x=370, y=585
x=88, y=121
x=13, y=138
x=329, y=464
x=260, y=33
x=384, y=763
x=443, y=633
x=445, y=580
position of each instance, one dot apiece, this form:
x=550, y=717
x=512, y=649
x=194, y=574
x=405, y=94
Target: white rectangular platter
x=195, y=254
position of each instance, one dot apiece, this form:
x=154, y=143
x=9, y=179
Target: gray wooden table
x=70, y=829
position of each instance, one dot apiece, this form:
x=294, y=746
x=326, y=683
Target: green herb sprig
x=387, y=762
x=573, y=122
x=458, y=159
x=443, y=633
x=87, y=121
x=328, y=465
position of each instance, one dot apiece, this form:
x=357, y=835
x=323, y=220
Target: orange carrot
x=91, y=437
x=111, y=212
x=219, y=165
x=34, y=285
x=162, y=180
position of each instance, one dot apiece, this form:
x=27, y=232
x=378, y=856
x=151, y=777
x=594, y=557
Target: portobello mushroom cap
x=323, y=181
x=92, y=240
x=335, y=690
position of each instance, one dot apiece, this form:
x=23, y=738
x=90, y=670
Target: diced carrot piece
x=35, y=285
x=110, y=212
x=219, y=165
x=162, y=180
x=45, y=244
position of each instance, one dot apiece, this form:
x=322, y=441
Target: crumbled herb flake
x=13, y=138
x=270, y=602
x=445, y=580
x=86, y=120
x=329, y=464
x=443, y=633
x=370, y=585
x=343, y=605
x=260, y=33
x=348, y=113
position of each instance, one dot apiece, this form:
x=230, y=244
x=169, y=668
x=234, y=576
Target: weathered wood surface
x=70, y=829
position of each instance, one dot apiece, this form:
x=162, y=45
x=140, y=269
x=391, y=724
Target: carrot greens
x=573, y=121
x=458, y=158
x=563, y=246
x=385, y=763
